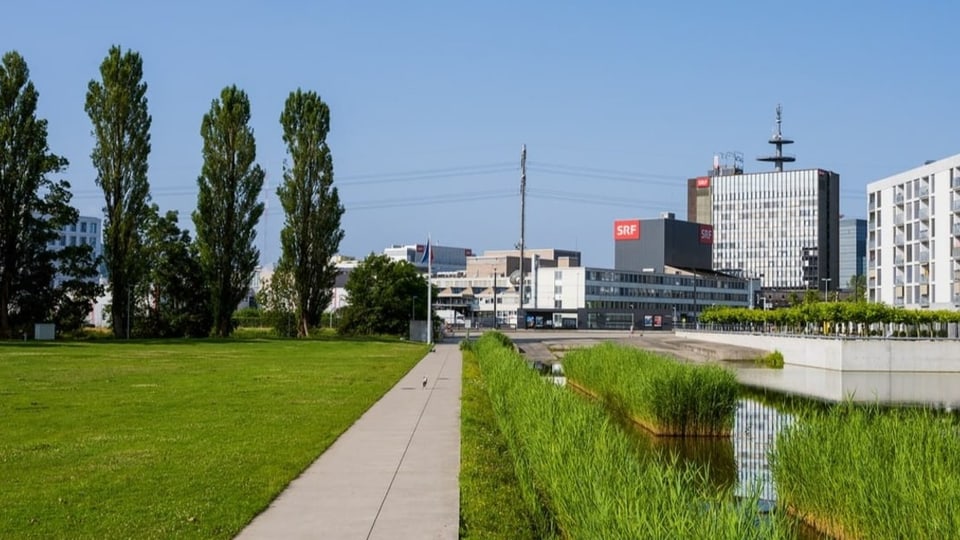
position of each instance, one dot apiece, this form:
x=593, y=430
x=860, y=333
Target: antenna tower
x=778, y=141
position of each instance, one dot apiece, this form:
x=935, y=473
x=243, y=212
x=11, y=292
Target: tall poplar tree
x=117, y=107
x=311, y=234
x=227, y=205
x=32, y=206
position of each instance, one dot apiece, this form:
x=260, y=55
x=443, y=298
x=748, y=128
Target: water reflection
x=885, y=387
x=738, y=461
x=754, y=433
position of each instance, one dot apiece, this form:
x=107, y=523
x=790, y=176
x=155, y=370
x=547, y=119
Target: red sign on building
x=703, y=182
x=626, y=229
x=706, y=234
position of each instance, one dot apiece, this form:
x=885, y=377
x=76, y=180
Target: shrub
x=772, y=360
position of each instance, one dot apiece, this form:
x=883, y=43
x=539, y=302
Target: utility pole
x=521, y=316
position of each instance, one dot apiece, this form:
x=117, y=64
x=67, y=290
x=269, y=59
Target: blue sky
x=617, y=102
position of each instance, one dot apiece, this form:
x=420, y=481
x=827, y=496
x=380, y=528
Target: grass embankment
x=580, y=474
x=489, y=490
x=186, y=439
x=858, y=472
x=664, y=396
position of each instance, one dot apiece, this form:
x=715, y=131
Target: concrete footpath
x=392, y=475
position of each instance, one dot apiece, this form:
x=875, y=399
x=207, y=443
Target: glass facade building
x=853, y=250
x=782, y=227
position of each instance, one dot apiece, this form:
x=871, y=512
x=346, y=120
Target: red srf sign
x=626, y=229
x=706, y=234
x=703, y=182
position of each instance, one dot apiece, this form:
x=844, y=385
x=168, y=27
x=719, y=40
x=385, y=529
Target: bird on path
x=424, y=384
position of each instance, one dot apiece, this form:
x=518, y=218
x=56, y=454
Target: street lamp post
x=826, y=286
x=496, y=323
x=695, y=315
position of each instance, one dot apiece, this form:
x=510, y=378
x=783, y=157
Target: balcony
x=956, y=299
x=898, y=220
x=924, y=301
x=923, y=192
x=955, y=183
x=899, y=240
x=924, y=214
x=923, y=235
x=956, y=229
x=955, y=205
x=956, y=253
x=898, y=260
x=898, y=301
x=873, y=206
x=872, y=282
x=924, y=257
x=924, y=279
x=898, y=280
x=898, y=198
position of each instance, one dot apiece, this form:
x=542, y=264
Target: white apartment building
x=913, y=237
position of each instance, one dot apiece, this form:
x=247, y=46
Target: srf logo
x=703, y=182
x=626, y=229
x=706, y=234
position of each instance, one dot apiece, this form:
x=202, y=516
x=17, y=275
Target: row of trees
x=842, y=317
x=162, y=283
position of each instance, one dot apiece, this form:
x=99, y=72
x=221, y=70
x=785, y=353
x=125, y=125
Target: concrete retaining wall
x=848, y=354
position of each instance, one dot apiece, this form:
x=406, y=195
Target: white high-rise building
x=781, y=227
x=913, y=237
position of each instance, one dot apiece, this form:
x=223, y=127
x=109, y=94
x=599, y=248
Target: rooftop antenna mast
x=778, y=141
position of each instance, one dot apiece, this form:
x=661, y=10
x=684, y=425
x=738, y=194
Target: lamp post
x=496, y=323
x=826, y=286
x=696, y=317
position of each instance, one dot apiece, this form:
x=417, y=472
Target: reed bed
x=858, y=472
x=580, y=474
x=664, y=396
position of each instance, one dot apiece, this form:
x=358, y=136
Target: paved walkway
x=392, y=475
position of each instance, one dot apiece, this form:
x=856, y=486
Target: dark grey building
x=853, y=250
x=650, y=245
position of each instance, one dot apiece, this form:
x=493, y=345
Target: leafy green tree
x=117, y=107
x=277, y=299
x=858, y=287
x=227, y=205
x=379, y=295
x=76, y=287
x=32, y=206
x=811, y=297
x=178, y=299
x=311, y=235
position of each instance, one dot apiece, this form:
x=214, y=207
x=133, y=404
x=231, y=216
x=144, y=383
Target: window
x=83, y=226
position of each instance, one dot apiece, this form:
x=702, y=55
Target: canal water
x=738, y=461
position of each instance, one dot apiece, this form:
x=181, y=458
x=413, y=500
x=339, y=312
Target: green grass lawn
x=175, y=438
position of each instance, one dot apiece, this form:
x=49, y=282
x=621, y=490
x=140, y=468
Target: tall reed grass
x=581, y=477
x=666, y=397
x=860, y=472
